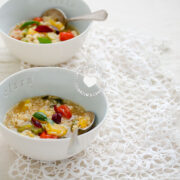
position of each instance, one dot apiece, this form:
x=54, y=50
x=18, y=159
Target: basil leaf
x=45, y=97
x=44, y=40
x=29, y=23
x=59, y=100
x=40, y=115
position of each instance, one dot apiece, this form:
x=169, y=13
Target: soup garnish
x=43, y=30
x=47, y=117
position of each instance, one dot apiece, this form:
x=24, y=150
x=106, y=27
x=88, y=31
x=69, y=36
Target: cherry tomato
x=44, y=135
x=63, y=36
x=65, y=111
x=39, y=19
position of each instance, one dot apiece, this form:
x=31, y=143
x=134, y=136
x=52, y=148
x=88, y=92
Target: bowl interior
x=48, y=81
x=16, y=11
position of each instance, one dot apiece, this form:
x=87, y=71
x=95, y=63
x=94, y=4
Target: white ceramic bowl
x=16, y=11
x=47, y=81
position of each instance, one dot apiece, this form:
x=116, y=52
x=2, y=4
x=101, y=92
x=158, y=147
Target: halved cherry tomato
x=44, y=135
x=63, y=36
x=39, y=19
x=65, y=111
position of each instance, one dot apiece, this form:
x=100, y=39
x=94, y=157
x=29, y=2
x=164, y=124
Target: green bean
x=24, y=127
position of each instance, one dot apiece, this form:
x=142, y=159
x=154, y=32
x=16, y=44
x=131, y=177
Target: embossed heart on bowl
x=89, y=81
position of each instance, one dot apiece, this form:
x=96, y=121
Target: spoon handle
x=74, y=143
x=100, y=15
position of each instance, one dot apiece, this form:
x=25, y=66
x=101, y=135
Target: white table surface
x=157, y=18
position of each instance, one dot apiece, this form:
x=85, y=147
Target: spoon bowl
x=56, y=14
x=74, y=142
x=92, y=119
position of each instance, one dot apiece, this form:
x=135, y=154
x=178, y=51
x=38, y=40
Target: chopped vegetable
x=57, y=118
x=50, y=121
x=45, y=97
x=44, y=40
x=40, y=116
x=36, y=123
x=26, y=105
x=53, y=36
x=44, y=135
x=57, y=24
x=43, y=28
x=55, y=109
x=83, y=122
x=27, y=101
x=25, y=127
x=28, y=23
x=56, y=129
x=31, y=31
x=59, y=100
x=36, y=130
x=65, y=111
x=29, y=127
x=63, y=36
x=43, y=111
x=46, y=118
x=39, y=19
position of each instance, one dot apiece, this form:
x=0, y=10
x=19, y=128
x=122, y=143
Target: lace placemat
x=138, y=139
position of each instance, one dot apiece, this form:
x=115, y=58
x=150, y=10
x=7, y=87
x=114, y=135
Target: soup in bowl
x=41, y=49
x=38, y=91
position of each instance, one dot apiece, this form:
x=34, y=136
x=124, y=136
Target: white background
x=157, y=18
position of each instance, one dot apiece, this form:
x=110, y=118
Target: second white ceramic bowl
x=16, y=11
x=48, y=81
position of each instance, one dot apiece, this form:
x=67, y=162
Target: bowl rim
x=50, y=140
x=48, y=44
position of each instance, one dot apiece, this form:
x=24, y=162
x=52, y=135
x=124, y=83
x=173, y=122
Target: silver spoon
x=59, y=15
x=73, y=146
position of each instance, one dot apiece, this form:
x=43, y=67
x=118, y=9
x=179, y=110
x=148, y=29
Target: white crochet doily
x=138, y=139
